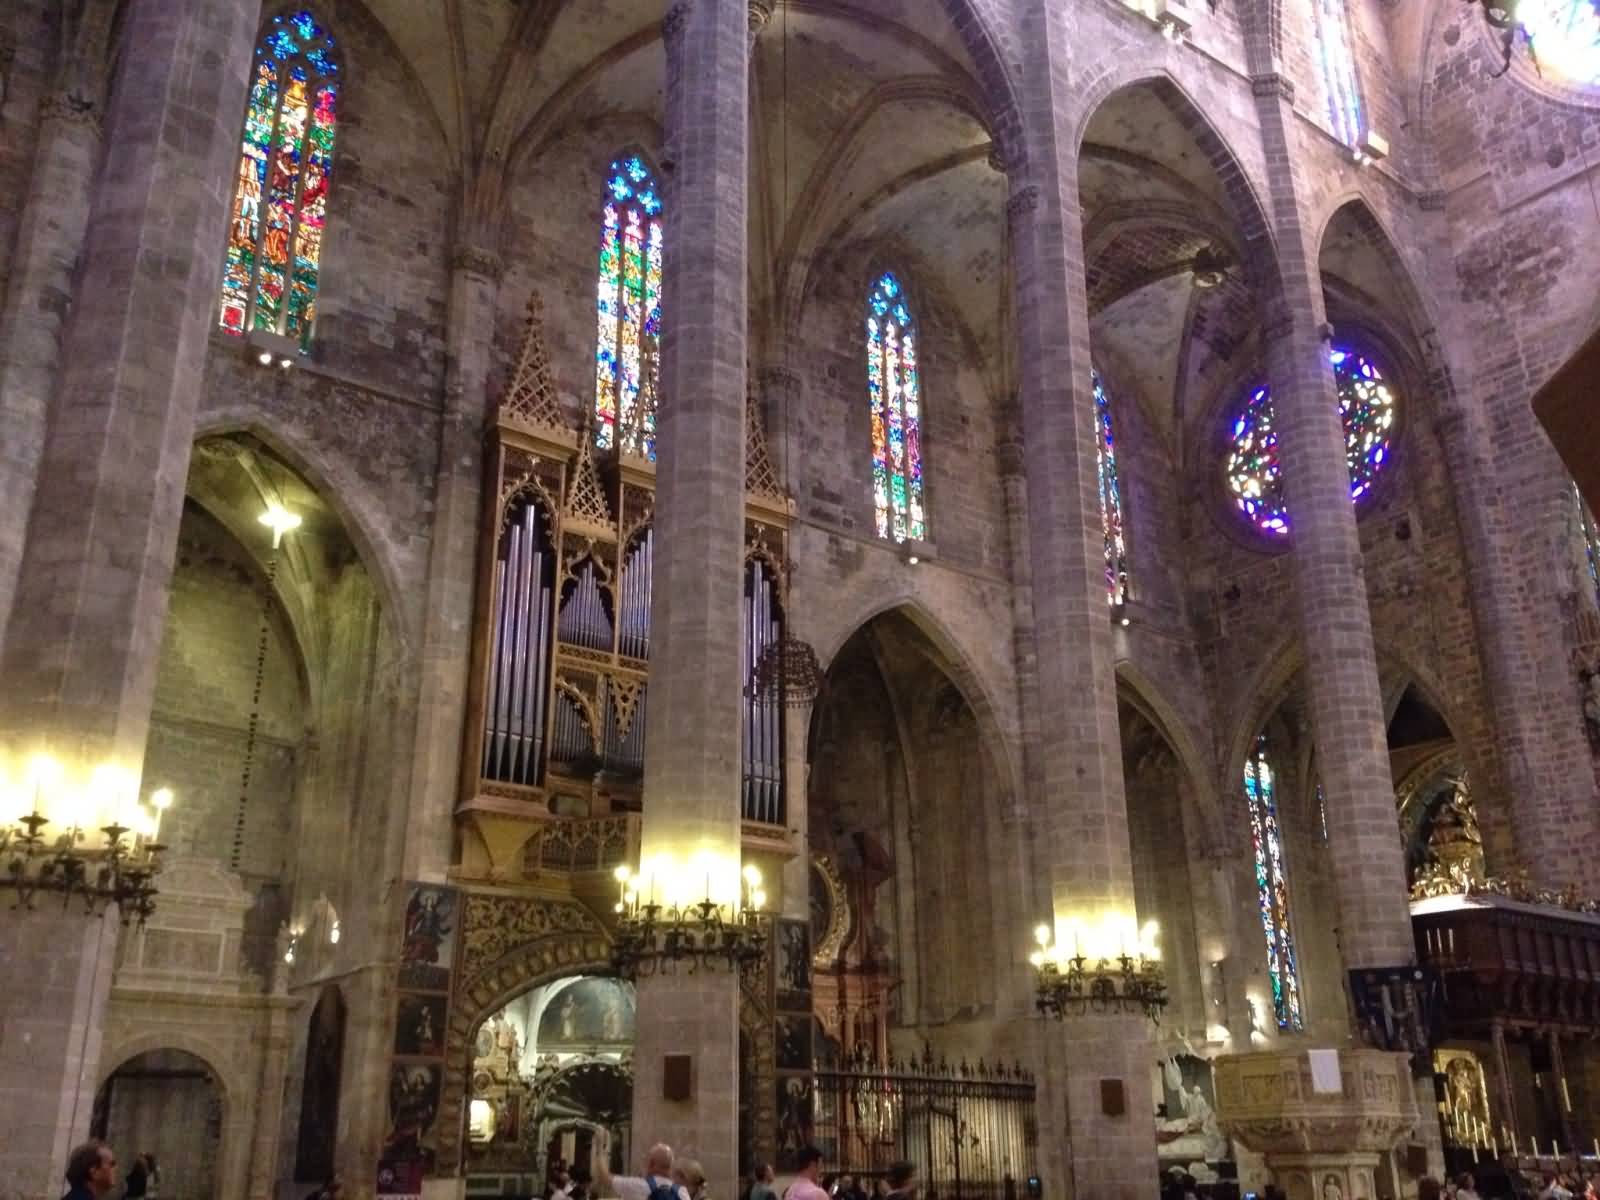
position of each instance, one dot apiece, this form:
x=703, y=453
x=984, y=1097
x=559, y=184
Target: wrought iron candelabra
x=1127, y=982
x=654, y=938
x=116, y=872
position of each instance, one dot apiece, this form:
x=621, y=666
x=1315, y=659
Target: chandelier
x=1097, y=978
x=94, y=844
x=788, y=670
x=653, y=937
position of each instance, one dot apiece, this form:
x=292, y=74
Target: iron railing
x=970, y=1131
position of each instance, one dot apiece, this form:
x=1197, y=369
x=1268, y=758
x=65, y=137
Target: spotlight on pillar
x=89, y=839
x=1110, y=966
x=656, y=937
x=265, y=358
x=286, y=363
x=1119, y=613
x=915, y=551
x=280, y=520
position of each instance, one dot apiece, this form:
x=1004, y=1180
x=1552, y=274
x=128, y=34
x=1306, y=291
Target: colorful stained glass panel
x=274, y=253
x=1335, y=45
x=1563, y=37
x=1110, y=497
x=1272, y=887
x=894, y=392
x=1367, y=408
x=628, y=310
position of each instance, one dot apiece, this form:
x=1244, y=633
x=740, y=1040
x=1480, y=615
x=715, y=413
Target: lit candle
x=1597, y=1147
x=1474, y=1152
x=1533, y=1145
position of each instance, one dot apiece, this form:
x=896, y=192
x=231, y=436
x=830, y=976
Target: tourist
x=333, y=1189
x=692, y=1177
x=91, y=1172
x=902, y=1181
x=559, y=1186
x=657, y=1182
x=761, y=1183
x=138, y=1179
x=1429, y=1188
x=152, y=1183
x=1554, y=1187
x=1467, y=1187
x=807, y=1163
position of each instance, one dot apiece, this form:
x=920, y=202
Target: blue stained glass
x=628, y=311
x=894, y=394
x=1272, y=886
x=1116, y=550
x=1591, y=540
x=1564, y=37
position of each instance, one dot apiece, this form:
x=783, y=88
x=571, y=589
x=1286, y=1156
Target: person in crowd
x=332, y=1189
x=807, y=1165
x=91, y=1171
x=1429, y=1188
x=1554, y=1187
x=902, y=1178
x=657, y=1182
x=1467, y=1187
x=559, y=1185
x=138, y=1184
x=761, y=1183
x=691, y=1176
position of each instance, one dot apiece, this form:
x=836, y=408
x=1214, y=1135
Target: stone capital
x=478, y=260
x=1273, y=84
x=760, y=14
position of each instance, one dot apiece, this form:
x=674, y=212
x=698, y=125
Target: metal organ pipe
x=762, y=728
x=520, y=658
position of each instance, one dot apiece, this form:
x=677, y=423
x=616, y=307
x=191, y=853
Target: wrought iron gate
x=971, y=1131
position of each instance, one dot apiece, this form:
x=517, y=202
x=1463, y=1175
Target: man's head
x=659, y=1160
x=93, y=1166
x=764, y=1173
x=809, y=1163
x=1465, y=1180
x=902, y=1177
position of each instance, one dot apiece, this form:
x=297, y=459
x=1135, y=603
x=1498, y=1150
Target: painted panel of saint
x=419, y=1028
x=427, y=947
x=586, y=1013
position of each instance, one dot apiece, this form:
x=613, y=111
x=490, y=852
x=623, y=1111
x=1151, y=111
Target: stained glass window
x=1367, y=406
x=1110, y=498
x=1591, y=541
x=1335, y=45
x=280, y=204
x=1564, y=36
x=894, y=389
x=1272, y=885
x=628, y=310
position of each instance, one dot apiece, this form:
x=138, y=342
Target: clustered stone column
x=1316, y=1137
x=77, y=676
x=1080, y=817
x=691, y=784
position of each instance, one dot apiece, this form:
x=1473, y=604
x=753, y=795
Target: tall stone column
x=77, y=675
x=54, y=214
x=690, y=833
x=1079, y=813
x=1347, y=714
x=457, y=507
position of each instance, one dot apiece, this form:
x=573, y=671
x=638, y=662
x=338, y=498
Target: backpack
x=661, y=1188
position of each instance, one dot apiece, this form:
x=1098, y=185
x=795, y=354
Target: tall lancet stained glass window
x=1591, y=541
x=280, y=205
x=1336, y=51
x=894, y=389
x=1110, y=497
x=1272, y=885
x=628, y=310
x=1367, y=407
x=1564, y=36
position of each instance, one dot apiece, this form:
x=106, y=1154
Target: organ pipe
x=519, y=657
x=762, y=754
x=585, y=618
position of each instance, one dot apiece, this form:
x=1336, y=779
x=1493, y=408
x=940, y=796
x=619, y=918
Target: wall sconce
x=654, y=937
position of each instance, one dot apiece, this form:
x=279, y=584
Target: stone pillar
x=78, y=670
x=1079, y=812
x=691, y=786
x=37, y=300
x=52, y=1020
x=268, y=1132
x=452, y=562
x=1346, y=705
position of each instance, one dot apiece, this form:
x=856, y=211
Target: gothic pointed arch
x=273, y=262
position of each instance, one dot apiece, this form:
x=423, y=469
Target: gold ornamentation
x=531, y=401
x=831, y=944
x=586, y=497
x=624, y=695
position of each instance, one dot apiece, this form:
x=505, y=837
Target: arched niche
x=170, y=1104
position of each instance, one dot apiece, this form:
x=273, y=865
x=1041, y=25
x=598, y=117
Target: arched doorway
x=550, y=1069
x=168, y=1104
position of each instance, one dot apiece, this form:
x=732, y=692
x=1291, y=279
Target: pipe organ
x=559, y=679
